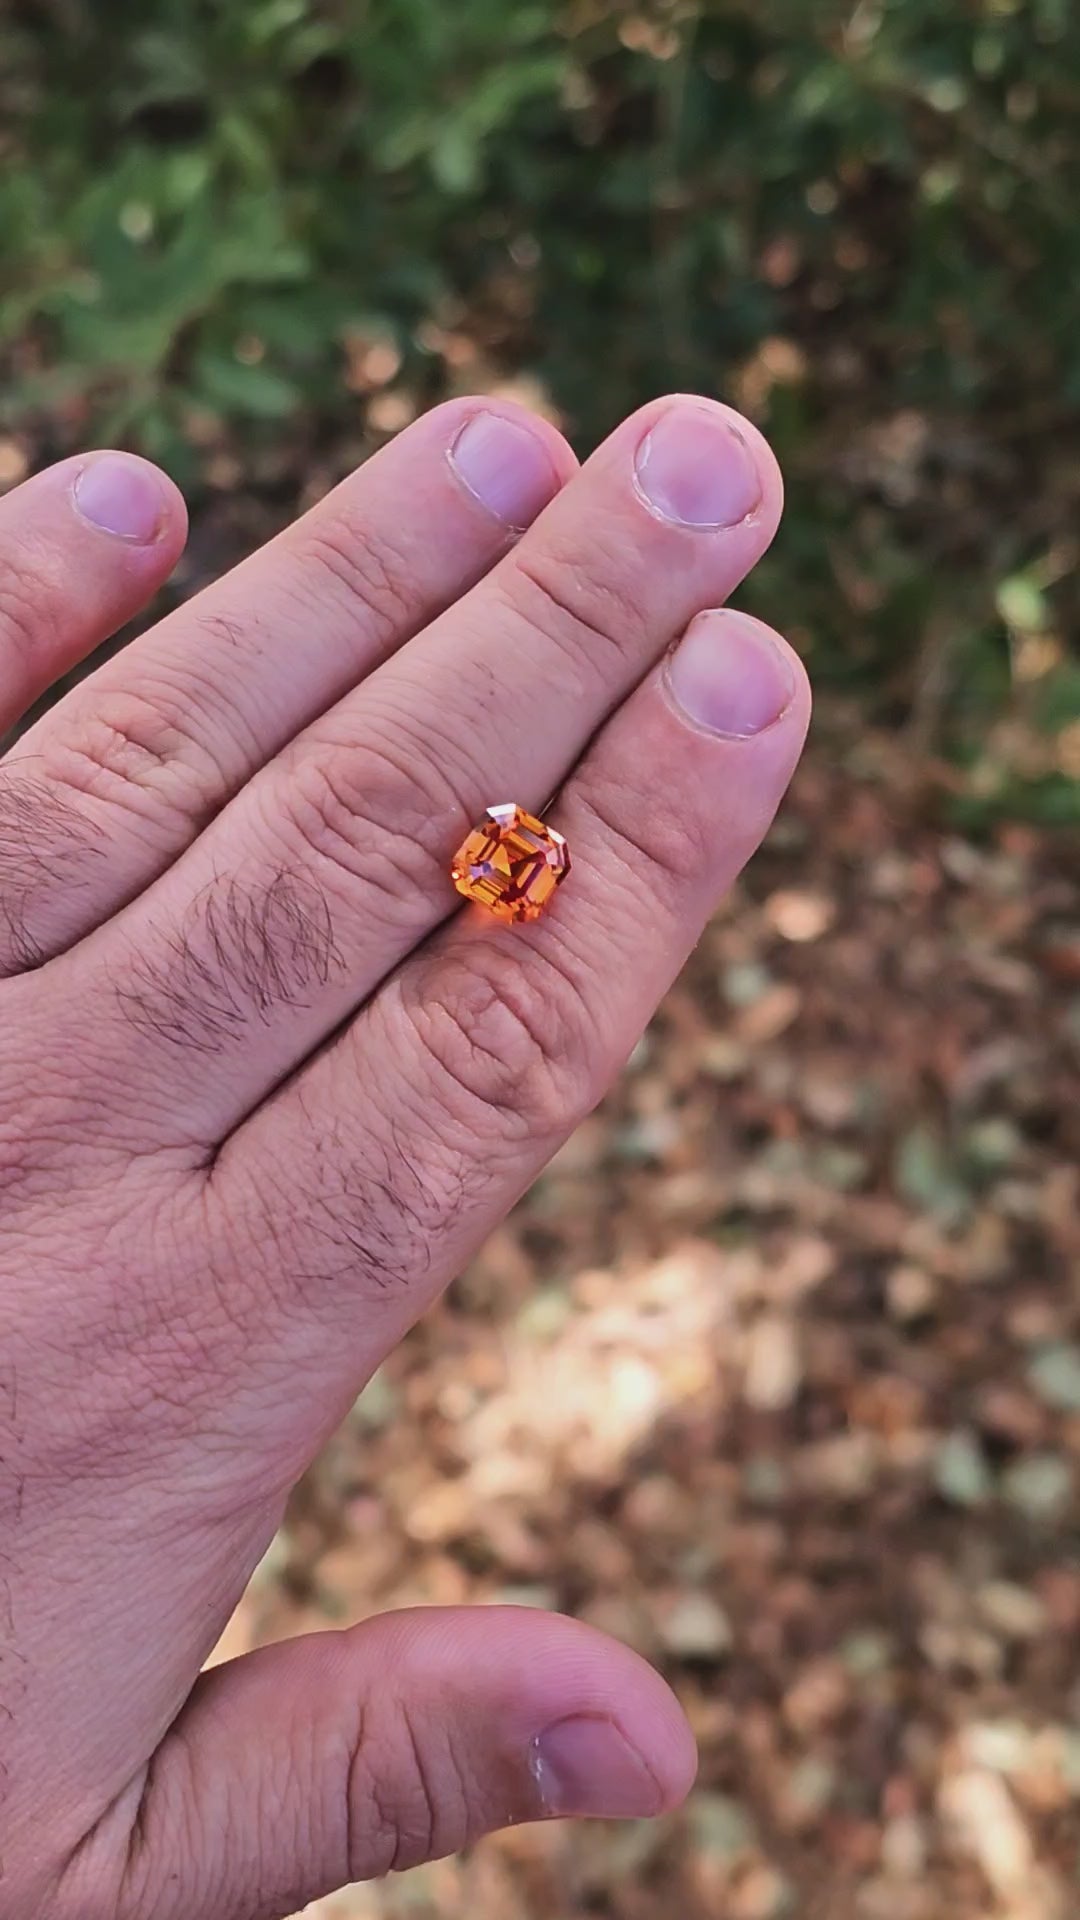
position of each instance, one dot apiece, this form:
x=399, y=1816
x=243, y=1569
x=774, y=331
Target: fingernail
x=729, y=674
x=505, y=467
x=584, y=1766
x=696, y=468
x=122, y=497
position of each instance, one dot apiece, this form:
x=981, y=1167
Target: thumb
x=303, y=1767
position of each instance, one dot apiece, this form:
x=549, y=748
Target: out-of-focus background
x=776, y=1374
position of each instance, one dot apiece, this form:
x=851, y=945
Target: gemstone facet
x=511, y=864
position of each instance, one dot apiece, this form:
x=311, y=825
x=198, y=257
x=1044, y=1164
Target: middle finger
x=332, y=864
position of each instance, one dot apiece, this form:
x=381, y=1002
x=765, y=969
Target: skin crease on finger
x=179, y=1332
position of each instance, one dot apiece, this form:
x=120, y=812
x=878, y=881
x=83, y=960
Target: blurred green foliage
x=860, y=221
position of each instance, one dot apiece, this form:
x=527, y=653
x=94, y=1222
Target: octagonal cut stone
x=511, y=864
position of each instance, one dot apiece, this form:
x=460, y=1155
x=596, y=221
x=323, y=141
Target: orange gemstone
x=511, y=864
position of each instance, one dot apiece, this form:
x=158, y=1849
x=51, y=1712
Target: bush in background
x=256, y=224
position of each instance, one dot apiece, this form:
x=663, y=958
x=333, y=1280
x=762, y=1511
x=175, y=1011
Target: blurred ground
x=776, y=1375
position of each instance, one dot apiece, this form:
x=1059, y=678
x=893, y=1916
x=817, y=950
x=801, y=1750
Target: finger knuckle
x=506, y=1040
x=32, y=606
x=408, y=1797
x=137, y=751
x=660, y=845
x=363, y=566
x=588, y=611
x=361, y=820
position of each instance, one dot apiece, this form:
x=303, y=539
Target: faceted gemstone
x=511, y=863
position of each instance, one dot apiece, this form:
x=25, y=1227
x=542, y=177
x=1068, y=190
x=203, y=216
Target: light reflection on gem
x=511, y=864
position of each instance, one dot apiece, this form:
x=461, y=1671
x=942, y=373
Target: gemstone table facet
x=511, y=864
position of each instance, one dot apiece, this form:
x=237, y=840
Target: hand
x=263, y=1092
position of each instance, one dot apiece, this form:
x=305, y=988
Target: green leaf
x=234, y=387
x=961, y=1472
x=1054, y=1372
x=1022, y=604
x=926, y=1174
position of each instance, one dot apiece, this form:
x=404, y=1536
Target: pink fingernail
x=121, y=496
x=695, y=468
x=584, y=1765
x=506, y=467
x=728, y=674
